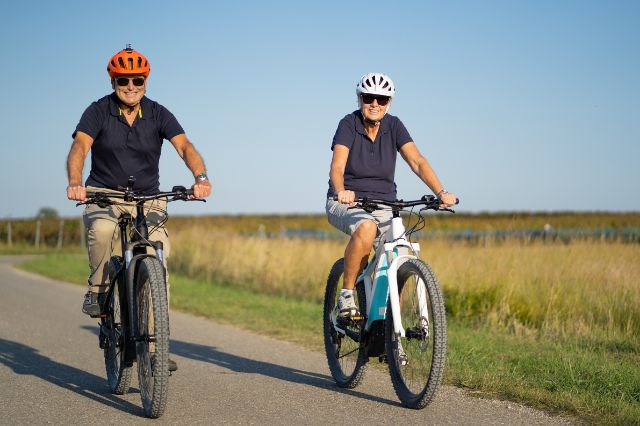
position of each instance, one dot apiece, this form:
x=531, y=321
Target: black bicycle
x=134, y=324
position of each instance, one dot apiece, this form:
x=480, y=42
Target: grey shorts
x=348, y=219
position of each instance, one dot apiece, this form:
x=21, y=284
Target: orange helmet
x=128, y=62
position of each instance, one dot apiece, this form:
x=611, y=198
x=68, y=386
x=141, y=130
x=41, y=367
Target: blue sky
x=517, y=105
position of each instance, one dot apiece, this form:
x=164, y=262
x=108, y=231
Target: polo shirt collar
x=114, y=106
x=384, y=123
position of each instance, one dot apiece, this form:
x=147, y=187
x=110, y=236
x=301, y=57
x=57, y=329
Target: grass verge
x=596, y=380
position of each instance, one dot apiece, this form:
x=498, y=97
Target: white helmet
x=376, y=83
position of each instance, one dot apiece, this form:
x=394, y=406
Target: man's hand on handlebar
x=77, y=193
x=201, y=189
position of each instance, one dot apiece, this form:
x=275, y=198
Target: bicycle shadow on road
x=244, y=365
x=25, y=360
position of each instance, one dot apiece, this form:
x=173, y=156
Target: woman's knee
x=367, y=231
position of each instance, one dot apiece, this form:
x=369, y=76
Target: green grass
x=25, y=249
x=595, y=379
x=68, y=267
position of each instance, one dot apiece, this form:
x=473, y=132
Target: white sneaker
x=403, y=359
x=346, y=306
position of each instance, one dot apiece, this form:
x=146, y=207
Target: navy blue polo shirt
x=120, y=150
x=371, y=165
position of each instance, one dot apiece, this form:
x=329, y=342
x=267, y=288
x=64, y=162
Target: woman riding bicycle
x=365, y=148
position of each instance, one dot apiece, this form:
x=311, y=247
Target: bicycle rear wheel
x=416, y=362
x=346, y=357
x=152, y=337
x=113, y=338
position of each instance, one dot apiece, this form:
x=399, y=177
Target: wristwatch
x=201, y=177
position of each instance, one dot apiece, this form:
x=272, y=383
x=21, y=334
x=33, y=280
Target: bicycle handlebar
x=430, y=202
x=103, y=198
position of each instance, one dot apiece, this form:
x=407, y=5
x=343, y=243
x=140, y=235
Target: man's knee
x=101, y=230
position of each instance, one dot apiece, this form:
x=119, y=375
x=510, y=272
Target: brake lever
x=367, y=207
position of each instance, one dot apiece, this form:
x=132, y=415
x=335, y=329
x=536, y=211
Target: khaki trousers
x=103, y=235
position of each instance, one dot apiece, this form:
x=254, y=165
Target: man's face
x=129, y=89
x=374, y=107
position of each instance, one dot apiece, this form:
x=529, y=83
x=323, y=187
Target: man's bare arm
x=75, y=163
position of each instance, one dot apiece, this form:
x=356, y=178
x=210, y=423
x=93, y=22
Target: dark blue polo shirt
x=371, y=165
x=120, y=150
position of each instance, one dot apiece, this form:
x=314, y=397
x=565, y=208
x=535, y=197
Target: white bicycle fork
x=394, y=255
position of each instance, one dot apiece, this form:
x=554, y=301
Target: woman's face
x=374, y=107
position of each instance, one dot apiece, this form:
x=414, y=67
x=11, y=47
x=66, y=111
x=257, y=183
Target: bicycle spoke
x=118, y=373
x=346, y=358
x=416, y=361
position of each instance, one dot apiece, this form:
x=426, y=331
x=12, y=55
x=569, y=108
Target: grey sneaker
x=346, y=307
x=173, y=366
x=93, y=303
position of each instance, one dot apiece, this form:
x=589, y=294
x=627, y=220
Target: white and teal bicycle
x=403, y=316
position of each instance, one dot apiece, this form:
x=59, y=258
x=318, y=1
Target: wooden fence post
x=60, y=234
x=37, y=242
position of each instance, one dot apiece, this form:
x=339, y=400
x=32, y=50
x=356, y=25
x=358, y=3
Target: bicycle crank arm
x=350, y=333
x=414, y=333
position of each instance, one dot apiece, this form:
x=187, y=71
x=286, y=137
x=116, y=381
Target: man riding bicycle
x=124, y=132
x=365, y=148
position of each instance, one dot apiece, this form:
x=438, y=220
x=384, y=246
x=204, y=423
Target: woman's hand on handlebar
x=201, y=189
x=447, y=199
x=346, y=197
x=77, y=192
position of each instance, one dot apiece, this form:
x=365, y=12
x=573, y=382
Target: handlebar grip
x=457, y=200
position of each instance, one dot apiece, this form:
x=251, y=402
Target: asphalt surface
x=52, y=372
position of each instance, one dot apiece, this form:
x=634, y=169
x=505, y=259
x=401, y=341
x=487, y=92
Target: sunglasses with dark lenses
x=368, y=99
x=124, y=81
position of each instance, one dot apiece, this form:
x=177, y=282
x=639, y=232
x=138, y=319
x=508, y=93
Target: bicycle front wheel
x=152, y=337
x=416, y=362
x=345, y=355
x=113, y=337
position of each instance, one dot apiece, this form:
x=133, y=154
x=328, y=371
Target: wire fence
x=624, y=235
x=38, y=233
x=58, y=233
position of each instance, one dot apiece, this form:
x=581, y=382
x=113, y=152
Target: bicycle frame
x=380, y=276
x=133, y=250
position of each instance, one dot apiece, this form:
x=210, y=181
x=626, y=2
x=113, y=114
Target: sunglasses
x=124, y=81
x=368, y=99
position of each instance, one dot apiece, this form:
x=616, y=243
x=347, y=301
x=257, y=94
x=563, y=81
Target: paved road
x=52, y=372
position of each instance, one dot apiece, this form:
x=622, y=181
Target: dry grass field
x=582, y=288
